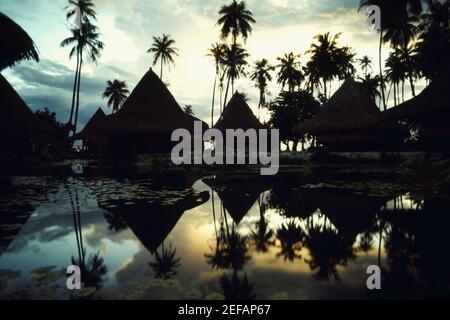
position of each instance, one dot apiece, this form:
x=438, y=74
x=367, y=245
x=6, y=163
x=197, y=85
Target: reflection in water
x=175, y=236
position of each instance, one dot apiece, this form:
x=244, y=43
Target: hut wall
x=354, y=140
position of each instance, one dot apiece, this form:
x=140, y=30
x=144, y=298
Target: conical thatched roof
x=150, y=109
x=94, y=127
x=238, y=115
x=349, y=108
x=18, y=119
x=435, y=97
x=16, y=44
x=238, y=195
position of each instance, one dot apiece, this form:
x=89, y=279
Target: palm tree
x=116, y=92
x=16, y=44
x=370, y=85
x=235, y=20
x=325, y=56
x=366, y=63
x=188, y=110
x=216, y=52
x=235, y=288
x=163, y=50
x=290, y=73
x=234, y=61
x=344, y=61
x=83, y=41
x=86, y=10
x=396, y=26
x=395, y=73
x=261, y=75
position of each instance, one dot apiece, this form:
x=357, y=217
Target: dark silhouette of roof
x=94, y=127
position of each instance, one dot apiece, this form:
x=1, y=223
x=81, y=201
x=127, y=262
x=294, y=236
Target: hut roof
x=18, y=119
x=95, y=126
x=435, y=97
x=349, y=108
x=238, y=115
x=150, y=109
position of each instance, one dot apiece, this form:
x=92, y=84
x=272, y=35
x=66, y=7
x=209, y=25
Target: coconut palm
x=290, y=73
x=235, y=20
x=325, y=54
x=85, y=7
x=216, y=51
x=261, y=237
x=234, y=61
x=17, y=45
x=433, y=47
x=188, y=110
x=235, y=288
x=84, y=41
x=370, y=85
x=366, y=64
x=116, y=92
x=163, y=51
x=344, y=60
x=87, y=12
x=261, y=76
x=395, y=73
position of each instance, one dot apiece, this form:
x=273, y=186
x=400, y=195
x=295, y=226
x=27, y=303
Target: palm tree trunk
x=325, y=88
x=381, y=69
x=161, y=70
x=78, y=95
x=213, y=101
x=403, y=91
x=411, y=82
x=74, y=88
x=226, y=93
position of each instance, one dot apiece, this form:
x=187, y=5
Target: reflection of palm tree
x=327, y=250
x=235, y=288
x=115, y=221
x=165, y=263
x=16, y=44
x=261, y=237
x=290, y=236
x=366, y=242
x=92, y=271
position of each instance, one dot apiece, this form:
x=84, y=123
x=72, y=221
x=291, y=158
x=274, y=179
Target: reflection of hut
x=238, y=195
x=237, y=115
x=146, y=121
x=351, y=214
x=19, y=123
x=351, y=121
x=430, y=110
x=93, y=134
x=152, y=220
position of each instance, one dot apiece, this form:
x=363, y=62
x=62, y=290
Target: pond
x=175, y=235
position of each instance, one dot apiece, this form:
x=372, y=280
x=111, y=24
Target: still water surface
x=177, y=236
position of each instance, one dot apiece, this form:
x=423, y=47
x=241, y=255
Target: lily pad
x=42, y=270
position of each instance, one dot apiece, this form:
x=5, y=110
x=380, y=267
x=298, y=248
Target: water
x=180, y=236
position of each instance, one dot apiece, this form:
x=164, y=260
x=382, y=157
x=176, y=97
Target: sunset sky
x=127, y=28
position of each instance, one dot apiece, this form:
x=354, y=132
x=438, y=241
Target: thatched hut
x=146, y=121
x=430, y=112
x=351, y=121
x=238, y=115
x=19, y=124
x=93, y=134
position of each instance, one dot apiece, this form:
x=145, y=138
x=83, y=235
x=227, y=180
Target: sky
x=127, y=29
